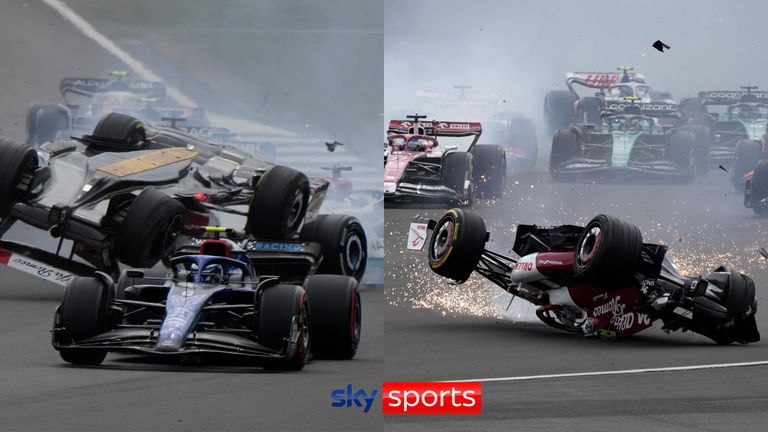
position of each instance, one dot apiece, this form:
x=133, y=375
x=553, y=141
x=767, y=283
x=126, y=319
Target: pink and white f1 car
x=416, y=166
x=598, y=280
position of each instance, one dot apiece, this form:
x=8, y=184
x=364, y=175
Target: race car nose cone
x=170, y=342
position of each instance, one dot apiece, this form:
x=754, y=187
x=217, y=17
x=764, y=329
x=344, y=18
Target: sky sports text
x=415, y=398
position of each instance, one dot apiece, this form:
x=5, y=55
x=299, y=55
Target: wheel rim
x=303, y=329
x=590, y=244
x=296, y=210
x=443, y=240
x=353, y=253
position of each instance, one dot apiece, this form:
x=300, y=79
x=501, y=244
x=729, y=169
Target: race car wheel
x=701, y=140
x=122, y=128
x=557, y=316
x=45, y=122
x=760, y=188
x=681, y=152
x=284, y=325
x=16, y=159
x=608, y=250
x=456, y=244
x=558, y=109
x=149, y=229
x=335, y=314
x=343, y=241
x=564, y=147
x=84, y=313
x=279, y=204
x=745, y=159
x=489, y=170
x=457, y=175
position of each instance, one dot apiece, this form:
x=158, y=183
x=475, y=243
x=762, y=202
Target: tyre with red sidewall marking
x=336, y=316
x=608, y=250
x=456, y=244
x=284, y=326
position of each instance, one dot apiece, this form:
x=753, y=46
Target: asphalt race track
x=464, y=332
x=41, y=392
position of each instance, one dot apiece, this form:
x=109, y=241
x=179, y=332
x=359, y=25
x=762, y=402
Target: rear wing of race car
x=89, y=86
x=437, y=128
x=730, y=97
x=597, y=79
x=652, y=109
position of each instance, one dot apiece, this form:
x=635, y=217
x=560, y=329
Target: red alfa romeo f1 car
x=598, y=280
x=416, y=166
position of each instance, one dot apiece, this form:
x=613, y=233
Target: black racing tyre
x=457, y=173
x=589, y=110
x=558, y=109
x=45, y=122
x=608, y=250
x=335, y=314
x=343, y=242
x=279, y=204
x=121, y=128
x=16, y=159
x=760, y=188
x=682, y=152
x=149, y=229
x=489, y=170
x=456, y=244
x=278, y=306
x=745, y=159
x=701, y=143
x=565, y=145
x=84, y=313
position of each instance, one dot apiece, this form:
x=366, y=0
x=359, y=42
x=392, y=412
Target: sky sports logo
x=415, y=398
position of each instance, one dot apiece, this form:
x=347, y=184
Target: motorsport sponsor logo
x=577, y=165
x=348, y=397
x=432, y=398
x=523, y=266
x=621, y=321
x=735, y=94
x=275, y=246
x=549, y=262
x=34, y=267
x=643, y=106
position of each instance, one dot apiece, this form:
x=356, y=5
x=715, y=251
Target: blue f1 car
x=232, y=296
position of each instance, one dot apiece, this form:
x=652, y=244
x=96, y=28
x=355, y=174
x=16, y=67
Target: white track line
x=138, y=67
x=619, y=372
x=147, y=74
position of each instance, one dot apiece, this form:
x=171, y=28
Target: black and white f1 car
x=89, y=99
x=222, y=296
x=416, y=166
x=124, y=193
x=597, y=280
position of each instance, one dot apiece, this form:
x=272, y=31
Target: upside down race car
x=597, y=280
x=126, y=192
x=416, y=166
x=219, y=298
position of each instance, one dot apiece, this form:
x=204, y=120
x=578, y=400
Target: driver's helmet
x=626, y=90
x=212, y=274
x=746, y=112
x=635, y=124
x=415, y=144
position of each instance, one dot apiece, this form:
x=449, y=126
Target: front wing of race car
x=604, y=167
x=408, y=191
x=144, y=340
